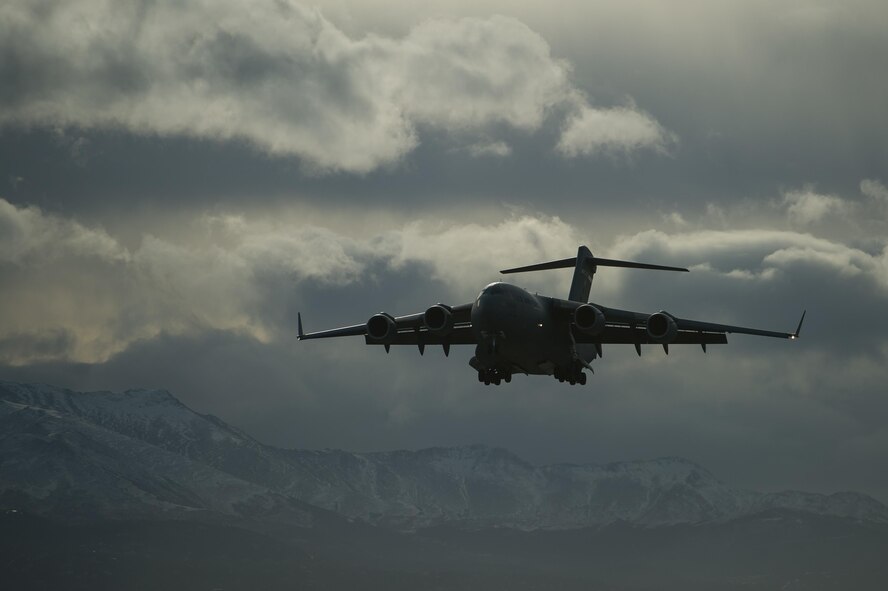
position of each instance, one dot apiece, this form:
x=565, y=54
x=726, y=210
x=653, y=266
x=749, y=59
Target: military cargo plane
x=515, y=331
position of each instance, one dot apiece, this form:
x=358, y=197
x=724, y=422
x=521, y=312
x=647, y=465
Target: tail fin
x=584, y=272
x=585, y=265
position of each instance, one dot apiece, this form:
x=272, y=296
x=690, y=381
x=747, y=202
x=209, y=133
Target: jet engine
x=589, y=319
x=438, y=319
x=381, y=327
x=661, y=328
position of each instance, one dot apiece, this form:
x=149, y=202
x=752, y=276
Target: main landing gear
x=575, y=377
x=493, y=376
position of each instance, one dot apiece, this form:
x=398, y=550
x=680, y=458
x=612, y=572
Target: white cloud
x=283, y=78
x=590, y=131
x=484, y=149
x=874, y=189
x=468, y=256
x=807, y=207
x=470, y=72
x=28, y=237
x=676, y=219
x=754, y=254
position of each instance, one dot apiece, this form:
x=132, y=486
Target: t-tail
x=585, y=264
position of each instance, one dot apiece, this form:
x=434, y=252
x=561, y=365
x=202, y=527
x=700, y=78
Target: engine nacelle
x=438, y=319
x=381, y=327
x=589, y=319
x=661, y=328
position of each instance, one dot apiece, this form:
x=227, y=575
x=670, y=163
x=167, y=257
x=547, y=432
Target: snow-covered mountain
x=143, y=453
x=135, y=454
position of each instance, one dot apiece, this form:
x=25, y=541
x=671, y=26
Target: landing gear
x=573, y=377
x=493, y=376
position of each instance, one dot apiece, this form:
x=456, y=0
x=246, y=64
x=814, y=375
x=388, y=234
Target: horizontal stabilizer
x=585, y=264
x=562, y=264
x=565, y=263
x=633, y=265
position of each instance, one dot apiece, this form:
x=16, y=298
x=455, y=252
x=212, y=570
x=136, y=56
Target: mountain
x=140, y=453
x=134, y=490
x=129, y=455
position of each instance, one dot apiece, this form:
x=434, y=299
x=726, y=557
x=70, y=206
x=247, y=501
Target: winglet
x=300, y=333
x=798, y=329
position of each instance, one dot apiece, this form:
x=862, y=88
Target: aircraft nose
x=486, y=315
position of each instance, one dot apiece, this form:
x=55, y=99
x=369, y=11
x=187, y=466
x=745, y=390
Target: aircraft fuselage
x=517, y=333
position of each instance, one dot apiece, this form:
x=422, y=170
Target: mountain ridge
x=142, y=452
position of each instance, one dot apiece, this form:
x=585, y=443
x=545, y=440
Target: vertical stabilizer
x=584, y=271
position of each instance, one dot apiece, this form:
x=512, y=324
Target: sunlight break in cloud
x=283, y=78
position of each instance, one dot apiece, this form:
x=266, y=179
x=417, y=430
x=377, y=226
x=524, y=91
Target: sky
x=178, y=180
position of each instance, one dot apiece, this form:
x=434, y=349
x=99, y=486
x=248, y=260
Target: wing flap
x=460, y=335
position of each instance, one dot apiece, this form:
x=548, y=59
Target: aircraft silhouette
x=515, y=331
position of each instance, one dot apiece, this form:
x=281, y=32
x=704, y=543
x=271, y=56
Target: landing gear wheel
x=582, y=379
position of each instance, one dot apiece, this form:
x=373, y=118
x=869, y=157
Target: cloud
x=676, y=219
x=470, y=72
x=76, y=293
x=590, y=131
x=874, y=189
x=806, y=207
x=486, y=149
x=468, y=256
x=284, y=79
x=27, y=236
x=755, y=255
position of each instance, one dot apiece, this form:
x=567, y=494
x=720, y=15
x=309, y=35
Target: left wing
x=627, y=318
x=627, y=327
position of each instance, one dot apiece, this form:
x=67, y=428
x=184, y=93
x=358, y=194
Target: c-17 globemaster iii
x=515, y=331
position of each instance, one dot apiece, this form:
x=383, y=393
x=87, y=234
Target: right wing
x=406, y=330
